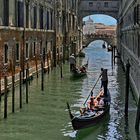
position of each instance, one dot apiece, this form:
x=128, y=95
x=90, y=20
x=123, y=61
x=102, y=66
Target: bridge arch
x=110, y=40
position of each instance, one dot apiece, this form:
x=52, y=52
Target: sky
x=99, y=18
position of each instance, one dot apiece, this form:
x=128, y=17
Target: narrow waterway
x=46, y=116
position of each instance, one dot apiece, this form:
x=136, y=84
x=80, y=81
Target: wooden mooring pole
x=0, y=87
x=5, y=97
x=42, y=76
x=127, y=88
x=36, y=65
x=114, y=53
x=61, y=70
x=48, y=63
x=13, y=93
x=112, y=56
x=27, y=85
x=138, y=116
x=20, y=89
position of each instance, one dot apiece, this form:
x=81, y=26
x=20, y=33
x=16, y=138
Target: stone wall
x=129, y=39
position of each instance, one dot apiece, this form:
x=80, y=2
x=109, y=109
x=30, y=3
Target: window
x=46, y=46
x=5, y=53
x=20, y=13
x=41, y=17
x=6, y=12
x=27, y=50
x=90, y=4
x=17, y=52
x=51, y=20
x=106, y=4
x=27, y=15
x=35, y=17
x=41, y=47
x=137, y=14
x=48, y=20
x=34, y=48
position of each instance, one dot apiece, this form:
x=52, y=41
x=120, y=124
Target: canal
x=46, y=117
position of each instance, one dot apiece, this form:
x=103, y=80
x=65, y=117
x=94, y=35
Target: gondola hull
x=78, y=74
x=91, y=117
x=83, y=122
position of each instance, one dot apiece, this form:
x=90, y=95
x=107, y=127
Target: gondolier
x=72, y=61
x=104, y=80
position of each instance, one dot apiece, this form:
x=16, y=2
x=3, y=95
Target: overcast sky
x=99, y=18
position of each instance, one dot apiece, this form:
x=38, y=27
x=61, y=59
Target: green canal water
x=46, y=117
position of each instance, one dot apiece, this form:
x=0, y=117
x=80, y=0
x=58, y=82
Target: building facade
x=129, y=38
x=26, y=32
x=33, y=31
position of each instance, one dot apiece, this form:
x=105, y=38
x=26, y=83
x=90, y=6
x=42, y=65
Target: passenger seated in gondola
x=91, y=103
x=99, y=103
x=83, y=109
x=83, y=69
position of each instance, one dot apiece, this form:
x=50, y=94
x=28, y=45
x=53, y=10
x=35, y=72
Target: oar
x=91, y=92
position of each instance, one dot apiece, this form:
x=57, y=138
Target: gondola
x=90, y=118
x=79, y=72
x=104, y=46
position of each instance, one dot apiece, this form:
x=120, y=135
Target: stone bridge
x=107, y=7
x=108, y=38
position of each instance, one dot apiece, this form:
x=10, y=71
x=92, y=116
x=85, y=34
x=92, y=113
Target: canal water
x=46, y=117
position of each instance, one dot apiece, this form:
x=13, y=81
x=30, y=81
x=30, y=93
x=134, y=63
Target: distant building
x=90, y=28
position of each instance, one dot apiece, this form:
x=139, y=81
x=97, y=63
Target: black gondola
x=79, y=72
x=104, y=46
x=90, y=118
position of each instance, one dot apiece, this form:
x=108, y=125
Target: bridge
x=110, y=39
x=107, y=7
x=91, y=7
